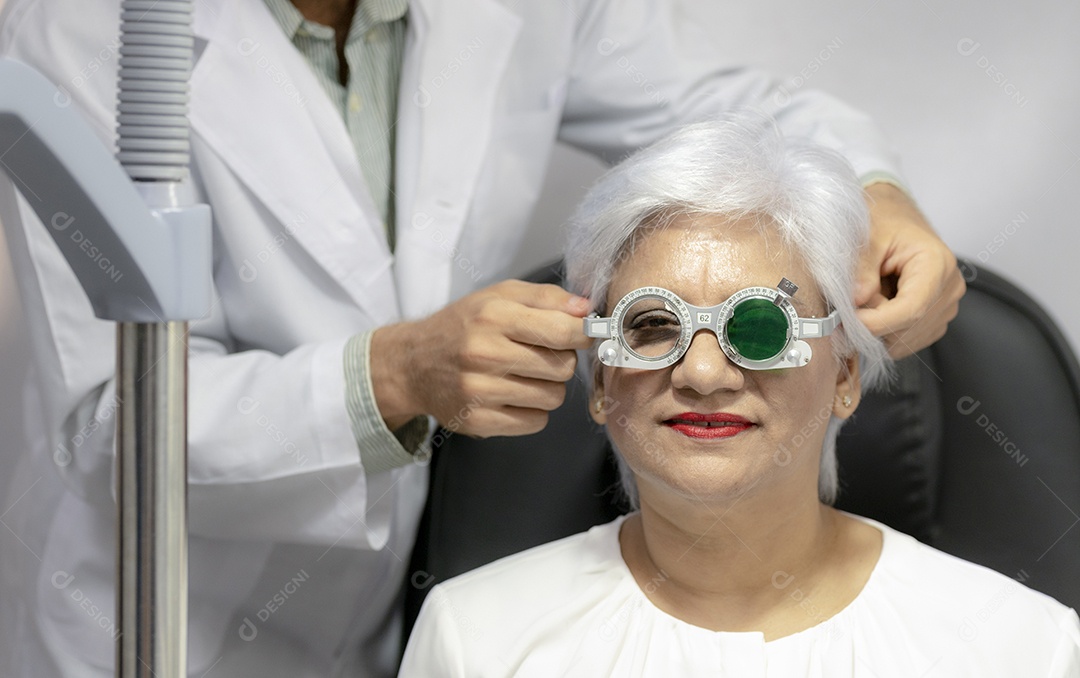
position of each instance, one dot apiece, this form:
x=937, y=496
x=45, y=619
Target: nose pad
x=705, y=367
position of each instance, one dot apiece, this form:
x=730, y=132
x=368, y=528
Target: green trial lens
x=758, y=329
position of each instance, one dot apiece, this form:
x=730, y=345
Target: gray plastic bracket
x=135, y=264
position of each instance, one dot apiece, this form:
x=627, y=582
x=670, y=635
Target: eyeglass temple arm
x=808, y=327
x=597, y=327
x=818, y=327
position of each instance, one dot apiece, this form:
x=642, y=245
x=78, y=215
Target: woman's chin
x=711, y=481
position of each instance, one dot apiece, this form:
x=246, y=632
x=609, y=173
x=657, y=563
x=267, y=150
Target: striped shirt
x=368, y=104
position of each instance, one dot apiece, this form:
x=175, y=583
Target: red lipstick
x=716, y=425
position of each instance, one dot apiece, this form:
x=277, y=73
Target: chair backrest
x=974, y=450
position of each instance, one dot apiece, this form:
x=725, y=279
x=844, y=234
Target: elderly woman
x=720, y=262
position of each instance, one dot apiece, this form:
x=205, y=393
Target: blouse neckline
x=888, y=546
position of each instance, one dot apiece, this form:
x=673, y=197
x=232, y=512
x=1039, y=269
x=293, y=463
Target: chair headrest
x=890, y=451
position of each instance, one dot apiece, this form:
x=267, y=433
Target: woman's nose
x=705, y=367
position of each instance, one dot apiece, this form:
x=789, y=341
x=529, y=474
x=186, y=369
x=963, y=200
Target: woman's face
x=777, y=419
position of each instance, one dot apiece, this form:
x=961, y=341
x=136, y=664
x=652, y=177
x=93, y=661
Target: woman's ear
x=598, y=402
x=848, y=387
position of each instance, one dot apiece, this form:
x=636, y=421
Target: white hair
x=737, y=166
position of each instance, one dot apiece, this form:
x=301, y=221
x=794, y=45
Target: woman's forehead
x=707, y=256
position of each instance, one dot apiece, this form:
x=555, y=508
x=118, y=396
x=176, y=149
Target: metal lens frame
x=758, y=329
x=758, y=326
x=673, y=303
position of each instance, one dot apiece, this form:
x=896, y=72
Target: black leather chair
x=975, y=450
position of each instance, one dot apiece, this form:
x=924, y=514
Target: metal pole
x=152, y=499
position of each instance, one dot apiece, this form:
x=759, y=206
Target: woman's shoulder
x=579, y=552
x=940, y=596
x=907, y=562
x=497, y=614
x=543, y=577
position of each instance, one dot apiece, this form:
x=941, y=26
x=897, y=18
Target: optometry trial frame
x=758, y=328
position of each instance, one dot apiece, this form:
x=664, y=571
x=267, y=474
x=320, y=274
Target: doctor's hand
x=908, y=286
x=494, y=363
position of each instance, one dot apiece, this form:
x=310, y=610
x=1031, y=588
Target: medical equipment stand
x=154, y=235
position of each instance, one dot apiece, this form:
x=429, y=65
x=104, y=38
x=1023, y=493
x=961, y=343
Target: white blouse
x=572, y=608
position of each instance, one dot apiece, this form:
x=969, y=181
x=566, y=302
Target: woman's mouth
x=715, y=425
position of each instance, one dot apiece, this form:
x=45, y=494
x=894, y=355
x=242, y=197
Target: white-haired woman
x=721, y=263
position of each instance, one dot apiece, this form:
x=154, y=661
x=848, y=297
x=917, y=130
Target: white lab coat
x=297, y=557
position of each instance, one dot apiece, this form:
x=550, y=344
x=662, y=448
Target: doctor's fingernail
x=579, y=304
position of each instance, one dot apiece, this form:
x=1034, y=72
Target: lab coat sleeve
x=379, y=449
x=271, y=453
x=631, y=81
x=435, y=649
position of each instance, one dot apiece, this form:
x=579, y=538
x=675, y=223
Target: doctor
x=371, y=172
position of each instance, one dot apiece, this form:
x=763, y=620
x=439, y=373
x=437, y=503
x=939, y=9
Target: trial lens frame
x=616, y=352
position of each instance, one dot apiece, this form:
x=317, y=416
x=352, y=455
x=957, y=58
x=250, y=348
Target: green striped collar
x=369, y=13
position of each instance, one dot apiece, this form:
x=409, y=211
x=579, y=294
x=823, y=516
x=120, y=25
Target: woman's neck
x=749, y=566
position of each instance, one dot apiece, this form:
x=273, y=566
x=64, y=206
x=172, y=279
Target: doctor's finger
x=505, y=421
x=514, y=391
x=542, y=296
x=921, y=287
x=550, y=329
x=537, y=362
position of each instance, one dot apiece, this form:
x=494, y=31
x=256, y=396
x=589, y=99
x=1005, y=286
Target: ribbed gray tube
x=156, y=56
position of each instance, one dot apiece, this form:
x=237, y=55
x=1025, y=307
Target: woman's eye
x=658, y=329
x=654, y=320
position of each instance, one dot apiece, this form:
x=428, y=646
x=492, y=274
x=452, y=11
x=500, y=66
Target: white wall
x=995, y=164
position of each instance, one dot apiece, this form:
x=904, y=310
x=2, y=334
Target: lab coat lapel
x=282, y=137
x=455, y=59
